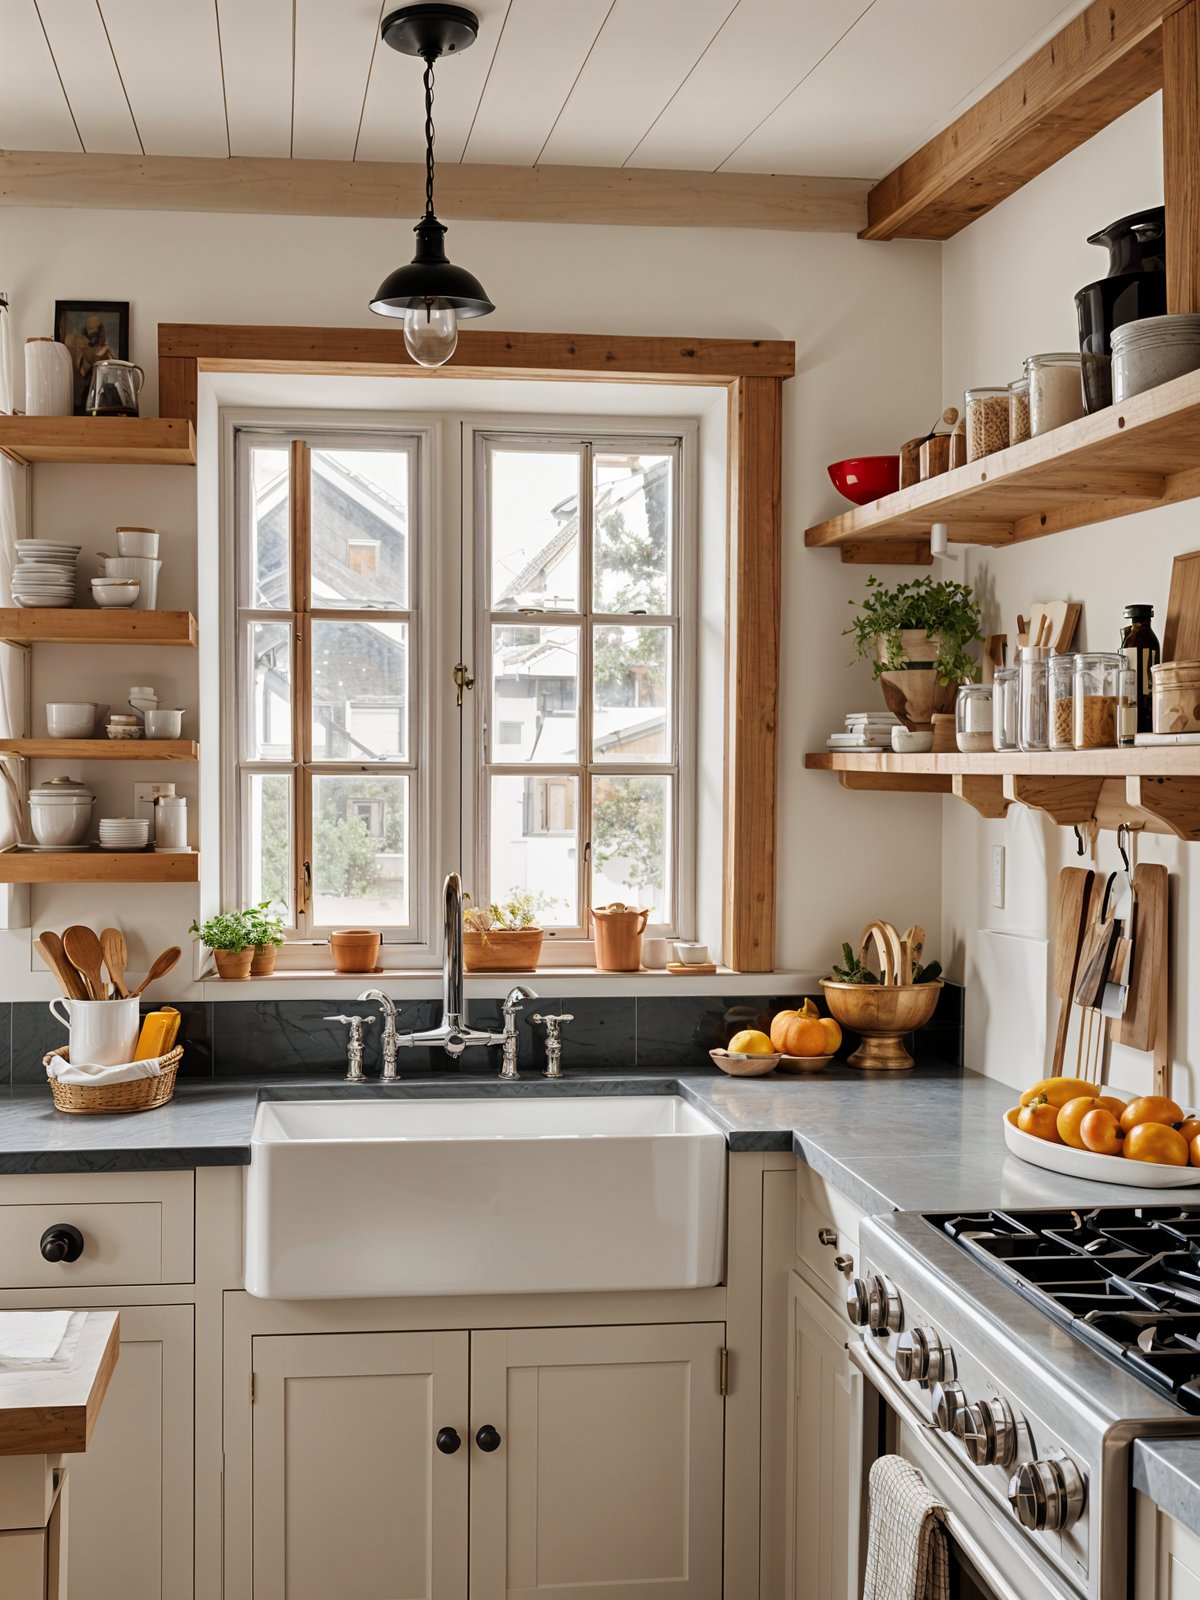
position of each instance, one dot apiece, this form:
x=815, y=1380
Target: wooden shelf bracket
x=985, y=794
x=1174, y=802
x=1071, y=802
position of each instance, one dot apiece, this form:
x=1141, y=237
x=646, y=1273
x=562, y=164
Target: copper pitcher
x=618, y=932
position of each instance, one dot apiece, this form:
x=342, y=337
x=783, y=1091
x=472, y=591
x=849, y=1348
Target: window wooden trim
x=753, y=373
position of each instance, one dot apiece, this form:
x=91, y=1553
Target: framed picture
x=92, y=330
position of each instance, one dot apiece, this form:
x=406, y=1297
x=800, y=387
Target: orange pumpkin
x=795, y=1034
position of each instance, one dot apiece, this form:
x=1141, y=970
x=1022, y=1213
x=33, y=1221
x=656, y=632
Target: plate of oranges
x=1088, y=1131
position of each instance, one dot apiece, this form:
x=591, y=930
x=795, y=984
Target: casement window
x=576, y=620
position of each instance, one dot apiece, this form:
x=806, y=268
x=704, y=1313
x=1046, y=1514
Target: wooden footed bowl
x=881, y=1014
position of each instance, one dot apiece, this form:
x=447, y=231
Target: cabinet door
x=608, y=1476
x=352, y=1498
x=1168, y=1556
x=130, y=1524
x=824, y=1453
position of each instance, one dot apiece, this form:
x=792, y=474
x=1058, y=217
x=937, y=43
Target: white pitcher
x=104, y=1033
x=49, y=379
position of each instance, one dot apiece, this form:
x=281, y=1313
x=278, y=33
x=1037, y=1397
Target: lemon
x=750, y=1042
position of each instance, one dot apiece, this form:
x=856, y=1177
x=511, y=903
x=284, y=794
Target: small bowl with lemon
x=750, y=1055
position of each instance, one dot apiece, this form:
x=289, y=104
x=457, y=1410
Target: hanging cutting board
x=1073, y=912
x=1138, y=1028
x=1181, y=631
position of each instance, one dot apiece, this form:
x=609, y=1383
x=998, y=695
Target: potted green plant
x=506, y=935
x=266, y=935
x=228, y=935
x=916, y=636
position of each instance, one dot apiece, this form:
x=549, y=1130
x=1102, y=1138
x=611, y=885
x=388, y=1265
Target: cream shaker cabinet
x=545, y=1460
x=1167, y=1556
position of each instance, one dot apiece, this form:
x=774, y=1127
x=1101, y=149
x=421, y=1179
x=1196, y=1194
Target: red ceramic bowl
x=866, y=478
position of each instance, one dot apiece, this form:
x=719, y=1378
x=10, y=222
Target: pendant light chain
x=427, y=79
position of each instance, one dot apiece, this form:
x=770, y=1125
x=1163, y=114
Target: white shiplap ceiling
x=837, y=88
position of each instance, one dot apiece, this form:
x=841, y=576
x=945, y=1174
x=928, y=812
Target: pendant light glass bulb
x=431, y=333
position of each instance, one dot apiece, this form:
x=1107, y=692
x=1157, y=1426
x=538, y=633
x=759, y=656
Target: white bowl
x=61, y=821
x=123, y=730
x=163, y=723
x=907, y=743
x=43, y=603
x=144, y=570
x=1074, y=1163
x=70, y=719
x=120, y=594
x=135, y=542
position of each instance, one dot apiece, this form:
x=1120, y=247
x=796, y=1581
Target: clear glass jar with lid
x=1018, y=410
x=1097, y=692
x=987, y=421
x=1060, y=678
x=1005, y=704
x=973, y=712
x=1055, y=390
x=1034, y=716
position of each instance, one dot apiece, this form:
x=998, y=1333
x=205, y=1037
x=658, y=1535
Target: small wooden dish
x=744, y=1066
x=804, y=1063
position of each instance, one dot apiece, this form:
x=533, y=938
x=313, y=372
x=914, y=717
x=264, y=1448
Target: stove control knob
x=989, y=1433
x=885, y=1313
x=858, y=1302
x=949, y=1401
x=1047, y=1495
x=922, y=1356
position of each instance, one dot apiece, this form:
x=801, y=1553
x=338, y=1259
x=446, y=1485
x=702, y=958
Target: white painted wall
x=1008, y=287
x=867, y=329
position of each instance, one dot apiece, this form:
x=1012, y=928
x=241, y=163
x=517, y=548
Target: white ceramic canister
x=170, y=822
x=103, y=1033
x=656, y=953
x=1153, y=350
x=49, y=379
x=60, y=812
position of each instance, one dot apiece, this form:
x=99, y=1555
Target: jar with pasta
x=1018, y=411
x=1061, y=680
x=987, y=421
x=1097, y=692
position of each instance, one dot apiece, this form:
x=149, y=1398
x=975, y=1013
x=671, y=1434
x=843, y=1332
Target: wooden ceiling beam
x=637, y=197
x=1105, y=61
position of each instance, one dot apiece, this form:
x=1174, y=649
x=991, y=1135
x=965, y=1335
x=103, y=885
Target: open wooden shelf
x=1128, y=458
x=97, y=866
x=1178, y=760
x=99, y=441
x=72, y=625
x=102, y=749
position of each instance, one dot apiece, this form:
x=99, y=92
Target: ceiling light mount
x=430, y=30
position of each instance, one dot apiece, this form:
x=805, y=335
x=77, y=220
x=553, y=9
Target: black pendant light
x=431, y=294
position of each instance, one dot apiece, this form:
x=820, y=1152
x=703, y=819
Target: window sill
x=550, y=982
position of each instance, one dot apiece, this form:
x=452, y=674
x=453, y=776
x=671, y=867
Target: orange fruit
x=833, y=1041
x=1109, y=1102
x=1041, y=1120
x=1155, y=1141
x=750, y=1042
x=1069, y=1118
x=1151, y=1108
x=1189, y=1128
x=1101, y=1132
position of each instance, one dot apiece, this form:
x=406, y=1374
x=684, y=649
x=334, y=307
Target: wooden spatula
x=1071, y=912
x=84, y=953
x=159, y=968
x=49, y=947
x=116, y=957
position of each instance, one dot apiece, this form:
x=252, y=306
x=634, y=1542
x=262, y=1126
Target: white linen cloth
x=32, y=1339
x=67, y=1072
x=907, y=1556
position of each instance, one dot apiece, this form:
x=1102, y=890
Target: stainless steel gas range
x=1014, y=1358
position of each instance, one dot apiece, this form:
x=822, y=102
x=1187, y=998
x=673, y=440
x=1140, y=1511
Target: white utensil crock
x=49, y=386
x=103, y=1033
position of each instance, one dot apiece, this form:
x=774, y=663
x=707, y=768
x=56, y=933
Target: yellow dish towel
x=907, y=1557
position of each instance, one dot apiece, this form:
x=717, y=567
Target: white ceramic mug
x=49, y=379
x=656, y=953
x=103, y=1033
x=692, y=955
x=163, y=723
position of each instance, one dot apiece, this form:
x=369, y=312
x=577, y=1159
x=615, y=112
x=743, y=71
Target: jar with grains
x=1061, y=682
x=1055, y=391
x=1097, y=689
x=987, y=421
x=1018, y=411
x=973, y=718
x=1005, y=724
x=1033, y=723
x=1127, y=705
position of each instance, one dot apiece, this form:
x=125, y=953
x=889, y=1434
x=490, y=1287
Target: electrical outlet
x=998, y=876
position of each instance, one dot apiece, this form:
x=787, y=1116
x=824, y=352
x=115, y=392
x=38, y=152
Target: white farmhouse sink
x=346, y=1199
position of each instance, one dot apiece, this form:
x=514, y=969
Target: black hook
x=1122, y=845
x=1078, y=840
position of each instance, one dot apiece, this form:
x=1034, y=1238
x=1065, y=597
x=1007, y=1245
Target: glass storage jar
x=1060, y=677
x=1004, y=709
x=1018, y=411
x=1127, y=705
x=1055, y=391
x=1097, y=686
x=1033, y=729
x=973, y=717
x=987, y=421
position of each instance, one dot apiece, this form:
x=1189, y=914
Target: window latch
x=463, y=679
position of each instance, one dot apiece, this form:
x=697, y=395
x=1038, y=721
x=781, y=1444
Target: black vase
x=1136, y=243
x=1136, y=287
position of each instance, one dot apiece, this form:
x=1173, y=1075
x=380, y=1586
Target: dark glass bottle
x=1142, y=651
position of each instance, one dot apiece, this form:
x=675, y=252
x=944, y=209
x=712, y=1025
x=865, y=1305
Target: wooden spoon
x=159, y=968
x=49, y=947
x=84, y=952
x=116, y=955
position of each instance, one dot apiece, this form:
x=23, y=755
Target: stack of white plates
x=124, y=833
x=45, y=573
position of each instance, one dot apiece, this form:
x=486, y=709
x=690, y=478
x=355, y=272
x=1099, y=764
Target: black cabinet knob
x=62, y=1242
x=447, y=1440
x=487, y=1438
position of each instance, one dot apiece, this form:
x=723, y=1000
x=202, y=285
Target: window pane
x=535, y=529
x=535, y=693
x=631, y=842
x=359, y=691
x=633, y=517
x=535, y=842
x=269, y=842
x=631, y=694
x=361, y=527
x=360, y=852
x=270, y=530
x=269, y=681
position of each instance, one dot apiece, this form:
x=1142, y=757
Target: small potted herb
x=916, y=636
x=230, y=938
x=266, y=935
x=505, y=936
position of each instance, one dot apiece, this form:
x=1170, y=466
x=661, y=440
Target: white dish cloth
x=67, y=1072
x=907, y=1557
x=35, y=1339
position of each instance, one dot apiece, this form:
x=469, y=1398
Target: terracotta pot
x=234, y=964
x=355, y=950
x=502, y=950
x=882, y=1014
x=263, y=964
x=618, y=932
x=914, y=692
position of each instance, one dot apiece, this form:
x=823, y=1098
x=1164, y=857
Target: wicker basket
x=138, y=1094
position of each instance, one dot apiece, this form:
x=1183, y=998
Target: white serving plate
x=1074, y=1163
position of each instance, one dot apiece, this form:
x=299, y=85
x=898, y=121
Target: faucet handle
x=354, y=1045
x=355, y=1023
x=553, y=1021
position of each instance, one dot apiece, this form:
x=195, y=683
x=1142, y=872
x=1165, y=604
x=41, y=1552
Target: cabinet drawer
x=823, y=1214
x=136, y=1228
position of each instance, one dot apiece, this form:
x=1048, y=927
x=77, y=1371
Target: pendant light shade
x=431, y=294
